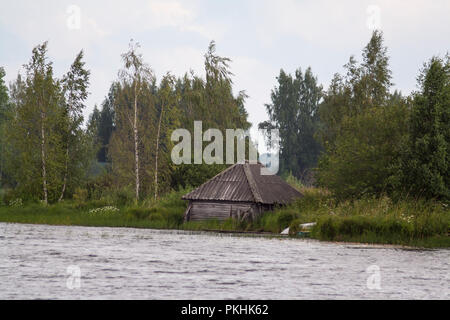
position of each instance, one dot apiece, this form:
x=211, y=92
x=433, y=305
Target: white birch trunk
x=65, y=174
x=136, y=139
x=44, y=169
x=157, y=150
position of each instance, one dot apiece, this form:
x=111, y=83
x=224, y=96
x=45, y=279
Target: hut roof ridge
x=243, y=182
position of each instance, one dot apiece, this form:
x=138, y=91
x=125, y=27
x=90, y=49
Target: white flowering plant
x=407, y=218
x=16, y=203
x=107, y=210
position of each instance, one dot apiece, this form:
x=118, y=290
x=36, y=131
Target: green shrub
x=80, y=195
x=285, y=218
x=174, y=218
x=294, y=227
x=121, y=197
x=2, y=196
x=386, y=229
x=268, y=222
x=156, y=216
x=294, y=181
x=139, y=213
x=92, y=204
x=9, y=195
x=167, y=212
x=100, y=186
x=326, y=228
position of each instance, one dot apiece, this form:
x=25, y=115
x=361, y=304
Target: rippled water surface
x=120, y=263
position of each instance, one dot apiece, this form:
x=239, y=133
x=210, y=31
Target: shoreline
x=363, y=222
x=255, y=234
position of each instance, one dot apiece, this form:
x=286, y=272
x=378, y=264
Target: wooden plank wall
x=205, y=210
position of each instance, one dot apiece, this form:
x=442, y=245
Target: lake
x=67, y=262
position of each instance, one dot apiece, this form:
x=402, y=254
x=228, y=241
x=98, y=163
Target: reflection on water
x=38, y=262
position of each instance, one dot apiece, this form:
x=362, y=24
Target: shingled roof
x=243, y=182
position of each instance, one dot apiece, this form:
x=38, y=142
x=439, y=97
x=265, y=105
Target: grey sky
x=259, y=36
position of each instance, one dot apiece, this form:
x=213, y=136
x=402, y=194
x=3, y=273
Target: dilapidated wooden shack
x=241, y=192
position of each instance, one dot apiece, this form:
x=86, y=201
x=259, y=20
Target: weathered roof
x=244, y=182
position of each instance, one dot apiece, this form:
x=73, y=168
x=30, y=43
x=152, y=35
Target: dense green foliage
x=366, y=149
x=47, y=155
x=362, y=126
x=363, y=87
x=101, y=124
x=5, y=114
x=424, y=169
x=174, y=103
x=294, y=112
x=360, y=138
x=379, y=142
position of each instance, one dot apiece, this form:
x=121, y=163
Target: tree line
x=358, y=137
x=48, y=155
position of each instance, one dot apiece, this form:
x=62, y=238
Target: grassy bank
x=166, y=213
x=371, y=220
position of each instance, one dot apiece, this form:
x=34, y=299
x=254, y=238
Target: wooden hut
x=239, y=192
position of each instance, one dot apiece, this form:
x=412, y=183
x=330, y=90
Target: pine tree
x=167, y=122
x=101, y=124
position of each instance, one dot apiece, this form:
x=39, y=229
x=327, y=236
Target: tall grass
x=165, y=213
x=380, y=220
x=371, y=220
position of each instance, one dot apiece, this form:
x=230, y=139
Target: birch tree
x=35, y=132
x=42, y=87
x=136, y=74
x=75, y=84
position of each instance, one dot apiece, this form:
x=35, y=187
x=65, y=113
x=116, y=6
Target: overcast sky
x=259, y=36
